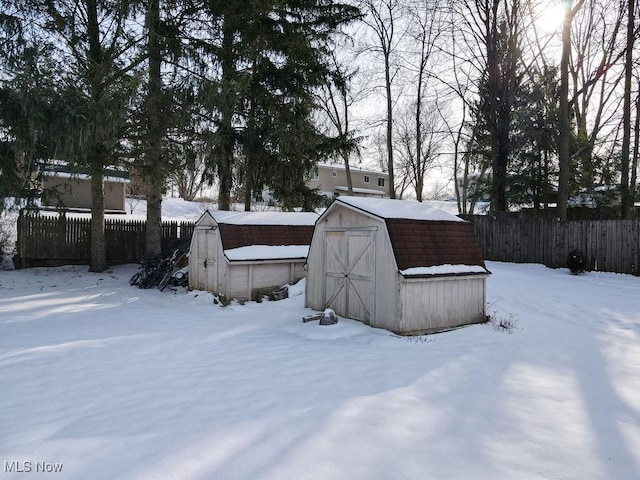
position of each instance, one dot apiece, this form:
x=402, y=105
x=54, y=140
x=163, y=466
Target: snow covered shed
x=394, y=264
x=238, y=255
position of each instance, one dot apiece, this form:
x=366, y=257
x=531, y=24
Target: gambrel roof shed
x=239, y=254
x=400, y=265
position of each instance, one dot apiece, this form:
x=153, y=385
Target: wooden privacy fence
x=58, y=240
x=608, y=245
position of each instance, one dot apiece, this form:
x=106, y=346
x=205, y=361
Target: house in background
x=64, y=188
x=331, y=180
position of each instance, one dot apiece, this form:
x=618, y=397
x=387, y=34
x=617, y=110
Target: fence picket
x=49, y=241
x=608, y=245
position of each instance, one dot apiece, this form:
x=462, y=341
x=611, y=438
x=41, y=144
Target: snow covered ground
x=112, y=382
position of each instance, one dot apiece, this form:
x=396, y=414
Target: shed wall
x=384, y=273
x=243, y=279
x=440, y=303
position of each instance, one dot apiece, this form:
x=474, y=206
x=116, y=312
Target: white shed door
x=206, y=265
x=349, y=272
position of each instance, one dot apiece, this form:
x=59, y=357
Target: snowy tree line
x=522, y=108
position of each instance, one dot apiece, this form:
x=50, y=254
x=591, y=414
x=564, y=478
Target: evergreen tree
x=164, y=105
x=271, y=56
x=87, y=43
x=532, y=171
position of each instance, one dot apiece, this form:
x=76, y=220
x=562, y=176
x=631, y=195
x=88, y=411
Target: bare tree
x=188, y=174
x=564, y=141
x=424, y=32
x=627, y=187
x=336, y=99
x=416, y=159
x=383, y=17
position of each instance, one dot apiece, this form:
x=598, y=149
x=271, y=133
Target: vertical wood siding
x=58, y=240
x=439, y=303
x=608, y=245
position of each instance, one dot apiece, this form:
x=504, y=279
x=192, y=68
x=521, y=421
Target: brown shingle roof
x=234, y=236
x=424, y=243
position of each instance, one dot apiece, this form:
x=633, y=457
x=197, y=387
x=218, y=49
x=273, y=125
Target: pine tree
x=271, y=57
x=87, y=44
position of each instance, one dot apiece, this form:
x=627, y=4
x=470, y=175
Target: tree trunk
x=387, y=74
x=626, y=193
x=153, y=150
x=226, y=133
x=636, y=152
x=564, y=127
x=98, y=260
x=345, y=153
x=153, y=246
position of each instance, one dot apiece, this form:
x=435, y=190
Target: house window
x=380, y=182
x=334, y=173
x=366, y=179
x=313, y=174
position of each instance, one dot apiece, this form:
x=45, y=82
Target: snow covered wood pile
x=238, y=255
x=394, y=264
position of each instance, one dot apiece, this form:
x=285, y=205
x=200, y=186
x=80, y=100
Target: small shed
x=241, y=255
x=395, y=264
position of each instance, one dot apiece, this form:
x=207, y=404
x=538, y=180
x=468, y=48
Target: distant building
x=62, y=188
x=331, y=179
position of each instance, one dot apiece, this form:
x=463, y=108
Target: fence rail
x=59, y=240
x=608, y=245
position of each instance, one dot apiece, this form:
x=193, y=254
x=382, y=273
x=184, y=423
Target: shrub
x=576, y=262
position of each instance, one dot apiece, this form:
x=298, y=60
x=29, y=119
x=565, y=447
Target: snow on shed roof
x=267, y=252
x=388, y=208
x=276, y=229
x=264, y=218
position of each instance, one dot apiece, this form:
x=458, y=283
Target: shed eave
x=349, y=207
x=262, y=261
x=441, y=276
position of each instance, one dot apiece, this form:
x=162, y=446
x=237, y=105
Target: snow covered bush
x=576, y=262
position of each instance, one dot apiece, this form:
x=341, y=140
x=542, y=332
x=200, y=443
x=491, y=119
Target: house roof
x=367, y=191
x=62, y=169
x=419, y=245
x=340, y=166
x=386, y=208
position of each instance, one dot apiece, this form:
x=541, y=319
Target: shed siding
x=384, y=312
x=243, y=279
x=238, y=285
x=439, y=303
x=211, y=270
